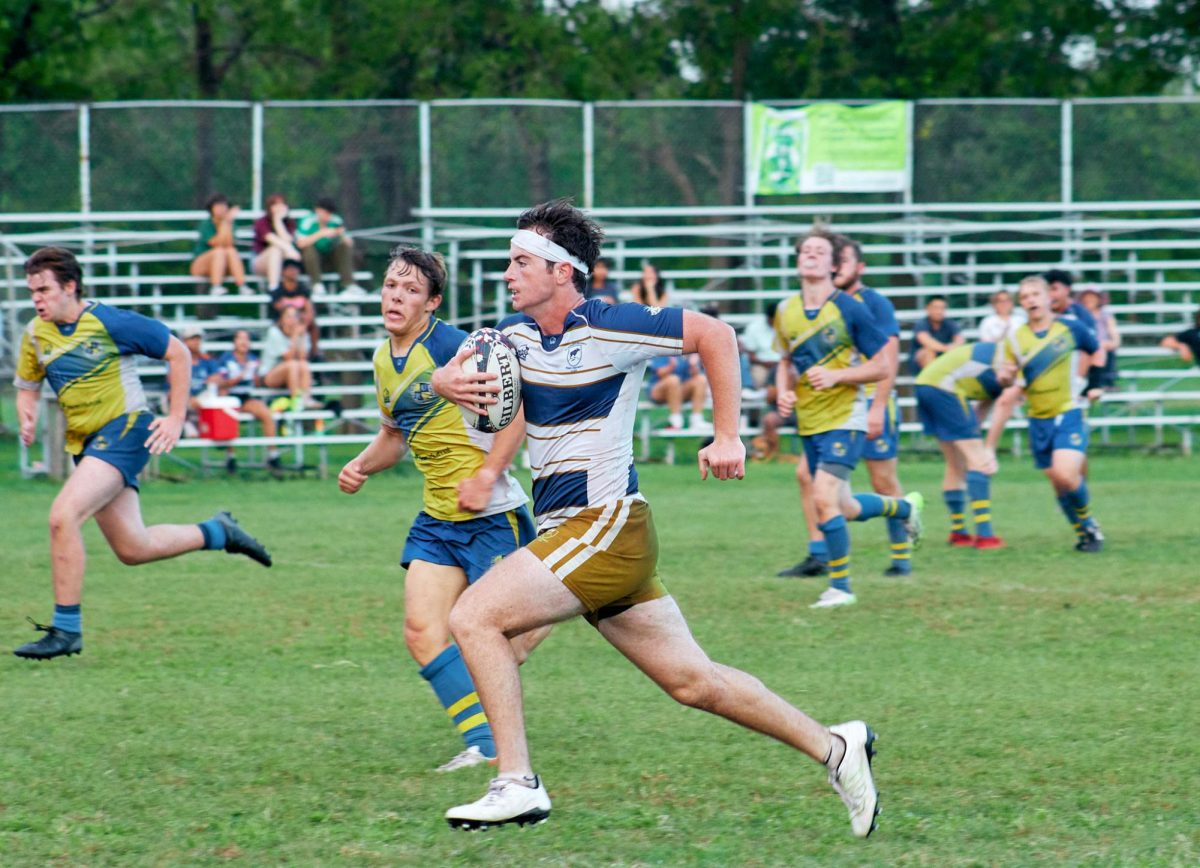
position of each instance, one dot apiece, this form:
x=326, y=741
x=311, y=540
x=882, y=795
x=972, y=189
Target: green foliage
x=591, y=50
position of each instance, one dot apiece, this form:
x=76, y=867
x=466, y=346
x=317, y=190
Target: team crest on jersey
x=653, y=311
x=575, y=356
x=423, y=393
x=92, y=348
x=829, y=335
x=522, y=353
x=387, y=396
x=839, y=449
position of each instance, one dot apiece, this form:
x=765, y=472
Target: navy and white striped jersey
x=580, y=392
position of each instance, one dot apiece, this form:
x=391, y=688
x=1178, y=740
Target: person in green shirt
x=323, y=243
x=215, y=250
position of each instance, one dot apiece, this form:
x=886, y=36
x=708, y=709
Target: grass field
x=1034, y=705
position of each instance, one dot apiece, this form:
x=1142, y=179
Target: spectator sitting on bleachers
x=215, y=250
x=649, y=289
x=1102, y=377
x=1004, y=319
x=285, y=360
x=601, y=286
x=757, y=343
x=674, y=379
x=274, y=240
x=205, y=373
x=934, y=334
x=1185, y=343
x=290, y=292
x=205, y=370
x=236, y=376
x=323, y=242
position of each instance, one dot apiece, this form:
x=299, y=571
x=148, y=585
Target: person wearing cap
x=205, y=370
x=85, y=350
x=291, y=292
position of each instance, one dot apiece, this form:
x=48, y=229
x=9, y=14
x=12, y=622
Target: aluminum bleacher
x=1146, y=256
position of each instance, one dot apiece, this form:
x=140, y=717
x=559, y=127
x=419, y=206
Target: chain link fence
x=506, y=153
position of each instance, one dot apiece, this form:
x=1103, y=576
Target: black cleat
x=1091, y=541
x=897, y=572
x=56, y=643
x=810, y=566
x=238, y=542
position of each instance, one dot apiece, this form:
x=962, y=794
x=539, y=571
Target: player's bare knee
x=130, y=555
x=64, y=519
x=423, y=639
x=695, y=687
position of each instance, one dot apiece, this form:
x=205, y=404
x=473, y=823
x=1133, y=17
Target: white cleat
x=507, y=801
x=852, y=778
x=472, y=756
x=831, y=597
x=913, y=523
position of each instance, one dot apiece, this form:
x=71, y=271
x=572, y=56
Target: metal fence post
x=424, y=138
x=1067, y=152
x=589, y=155
x=256, y=156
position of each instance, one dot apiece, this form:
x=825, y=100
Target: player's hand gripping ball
x=494, y=353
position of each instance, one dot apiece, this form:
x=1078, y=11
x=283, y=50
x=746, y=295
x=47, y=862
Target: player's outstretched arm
x=1002, y=411
x=28, y=402
x=383, y=452
x=716, y=343
x=474, y=391
x=166, y=430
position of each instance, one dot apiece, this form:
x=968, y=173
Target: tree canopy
x=594, y=49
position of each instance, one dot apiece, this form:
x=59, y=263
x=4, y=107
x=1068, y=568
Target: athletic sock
x=899, y=544
x=837, y=538
x=956, y=505
x=1066, y=504
x=819, y=550
x=979, y=487
x=448, y=676
x=1079, y=503
x=874, y=505
x=68, y=618
x=214, y=534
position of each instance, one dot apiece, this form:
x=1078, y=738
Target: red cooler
x=218, y=418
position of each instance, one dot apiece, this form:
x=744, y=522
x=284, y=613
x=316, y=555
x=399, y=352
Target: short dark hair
x=818, y=230
x=843, y=243
x=61, y=262
x=569, y=228
x=1057, y=275
x=938, y=297
x=326, y=204
x=430, y=264
x=215, y=199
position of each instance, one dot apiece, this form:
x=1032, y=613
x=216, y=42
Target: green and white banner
x=827, y=147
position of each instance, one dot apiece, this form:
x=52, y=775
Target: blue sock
x=873, y=505
x=837, y=538
x=68, y=618
x=214, y=534
x=1068, y=509
x=979, y=487
x=900, y=545
x=818, y=549
x=956, y=505
x=1078, y=500
x=448, y=676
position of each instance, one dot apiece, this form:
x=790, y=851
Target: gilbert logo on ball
x=492, y=352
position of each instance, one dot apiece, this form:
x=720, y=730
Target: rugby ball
x=492, y=352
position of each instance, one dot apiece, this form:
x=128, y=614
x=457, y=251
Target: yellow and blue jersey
x=967, y=371
x=1048, y=364
x=839, y=334
x=445, y=450
x=883, y=313
x=91, y=365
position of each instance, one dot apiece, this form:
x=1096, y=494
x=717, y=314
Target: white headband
x=547, y=249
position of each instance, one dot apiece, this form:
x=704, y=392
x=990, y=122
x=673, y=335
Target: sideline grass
x=1034, y=705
